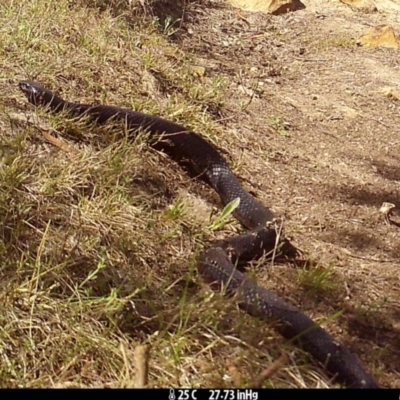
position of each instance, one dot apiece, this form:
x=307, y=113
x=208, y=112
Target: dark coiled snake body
x=217, y=263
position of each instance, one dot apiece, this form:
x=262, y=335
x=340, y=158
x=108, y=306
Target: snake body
x=217, y=264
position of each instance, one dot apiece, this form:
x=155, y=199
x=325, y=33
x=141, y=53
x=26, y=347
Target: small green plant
x=279, y=125
x=373, y=307
x=176, y=210
x=92, y=275
x=169, y=27
x=317, y=278
x=222, y=219
x=335, y=41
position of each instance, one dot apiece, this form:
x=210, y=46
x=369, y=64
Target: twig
x=142, y=365
x=20, y=118
x=59, y=143
x=270, y=370
x=239, y=15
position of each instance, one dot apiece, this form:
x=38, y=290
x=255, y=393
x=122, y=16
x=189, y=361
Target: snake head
x=36, y=93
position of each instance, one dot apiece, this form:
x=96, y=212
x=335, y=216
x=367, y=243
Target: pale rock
x=388, y=6
x=268, y=6
x=390, y=92
x=350, y=112
x=367, y=5
x=197, y=70
x=379, y=36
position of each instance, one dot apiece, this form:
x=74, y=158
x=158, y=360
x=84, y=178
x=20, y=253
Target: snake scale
x=217, y=264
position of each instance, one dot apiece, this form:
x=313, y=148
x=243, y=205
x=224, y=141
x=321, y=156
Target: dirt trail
x=318, y=141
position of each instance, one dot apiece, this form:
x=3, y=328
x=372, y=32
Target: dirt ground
x=305, y=121
x=318, y=141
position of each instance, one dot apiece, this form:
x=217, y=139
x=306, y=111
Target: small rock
x=367, y=5
x=380, y=36
x=386, y=210
x=197, y=70
x=388, y=6
x=390, y=92
x=349, y=112
x=275, y=7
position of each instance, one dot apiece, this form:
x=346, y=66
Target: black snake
x=217, y=263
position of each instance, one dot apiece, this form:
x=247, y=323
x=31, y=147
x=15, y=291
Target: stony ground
x=100, y=235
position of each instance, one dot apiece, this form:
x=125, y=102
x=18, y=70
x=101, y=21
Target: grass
x=318, y=278
x=336, y=41
x=97, y=247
